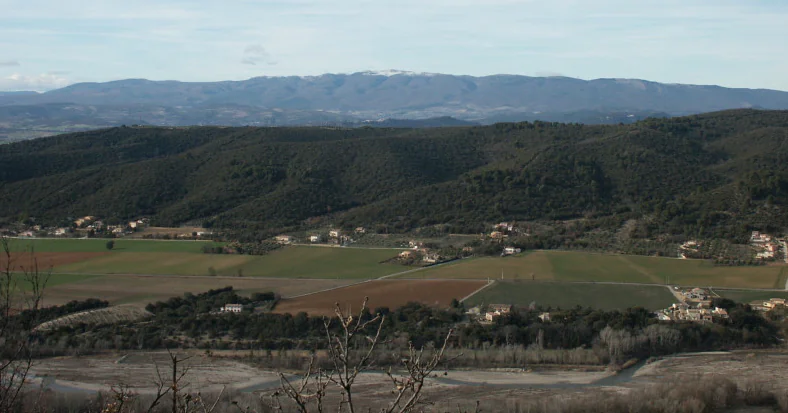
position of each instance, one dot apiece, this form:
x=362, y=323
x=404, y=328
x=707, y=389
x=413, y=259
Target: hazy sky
x=46, y=44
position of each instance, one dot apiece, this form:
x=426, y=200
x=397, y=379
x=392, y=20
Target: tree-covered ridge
x=715, y=174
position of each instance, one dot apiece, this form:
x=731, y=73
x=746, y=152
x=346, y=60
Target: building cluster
x=769, y=305
x=695, y=305
x=81, y=227
x=503, y=230
x=691, y=248
x=332, y=236
x=765, y=246
x=422, y=254
x=493, y=311
x=698, y=313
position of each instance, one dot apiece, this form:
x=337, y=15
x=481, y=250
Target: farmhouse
x=431, y=258
x=758, y=237
x=545, y=317
x=334, y=233
x=315, y=238
x=511, y=251
x=232, y=308
x=773, y=303
x=415, y=244
x=504, y=227
x=406, y=254
x=496, y=310
x=284, y=239
x=497, y=235
x=361, y=230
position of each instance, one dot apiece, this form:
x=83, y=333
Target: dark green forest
x=712, y=175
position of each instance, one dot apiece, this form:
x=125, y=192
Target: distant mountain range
x=364, y=98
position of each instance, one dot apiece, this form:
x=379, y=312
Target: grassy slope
x=579, y=266
x=602, y=296
x=99, y=245
x=292, y=262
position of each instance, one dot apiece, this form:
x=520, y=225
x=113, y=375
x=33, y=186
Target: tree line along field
x=581, y=266
x=568, y=295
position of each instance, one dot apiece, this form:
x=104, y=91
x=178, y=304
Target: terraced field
x=579, y=266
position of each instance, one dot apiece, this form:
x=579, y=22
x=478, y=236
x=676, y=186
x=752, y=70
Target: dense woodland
x=715, y=175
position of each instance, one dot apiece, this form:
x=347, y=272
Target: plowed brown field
x=45, y=260
x=383, y=293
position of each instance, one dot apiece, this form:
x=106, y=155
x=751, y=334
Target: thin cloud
x=255, y=54
x=38, y=83
x=8, y=63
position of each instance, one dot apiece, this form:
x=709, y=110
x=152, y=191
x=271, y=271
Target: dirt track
x=381, y=293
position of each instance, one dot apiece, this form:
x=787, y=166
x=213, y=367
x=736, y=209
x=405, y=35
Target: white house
x=334, y=233
x=232, y=308
x=315, y=238
x=282, y=239
x=511, y=251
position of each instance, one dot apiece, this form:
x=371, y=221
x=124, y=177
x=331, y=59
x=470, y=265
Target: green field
x=580, y=266
x=567, y=295
x=749, y=296
x=100, y=245
x=290, y=262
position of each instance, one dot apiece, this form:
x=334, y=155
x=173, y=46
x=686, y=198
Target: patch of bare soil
x=139, y=372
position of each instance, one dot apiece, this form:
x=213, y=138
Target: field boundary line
x=326, y=290
x=489, y=283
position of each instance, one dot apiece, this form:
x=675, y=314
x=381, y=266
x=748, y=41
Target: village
x=93, y=227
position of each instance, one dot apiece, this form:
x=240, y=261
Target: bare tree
x=348, y=361
x=21, y=293
x=168, y=383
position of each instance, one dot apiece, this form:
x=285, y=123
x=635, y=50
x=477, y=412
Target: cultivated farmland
x=290, y=262
x=567, y=295
x=140, y=290
x=749, y=296
x=26, y=261
x=580, y=266
x=100, y=245
x=381, y=293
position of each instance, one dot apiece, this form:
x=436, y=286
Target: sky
x=47, y=44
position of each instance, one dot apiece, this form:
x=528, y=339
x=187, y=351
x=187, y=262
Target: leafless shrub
x=351, y=352
x=21, y=288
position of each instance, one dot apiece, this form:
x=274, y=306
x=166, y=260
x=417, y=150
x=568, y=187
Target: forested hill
x=719, y=173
